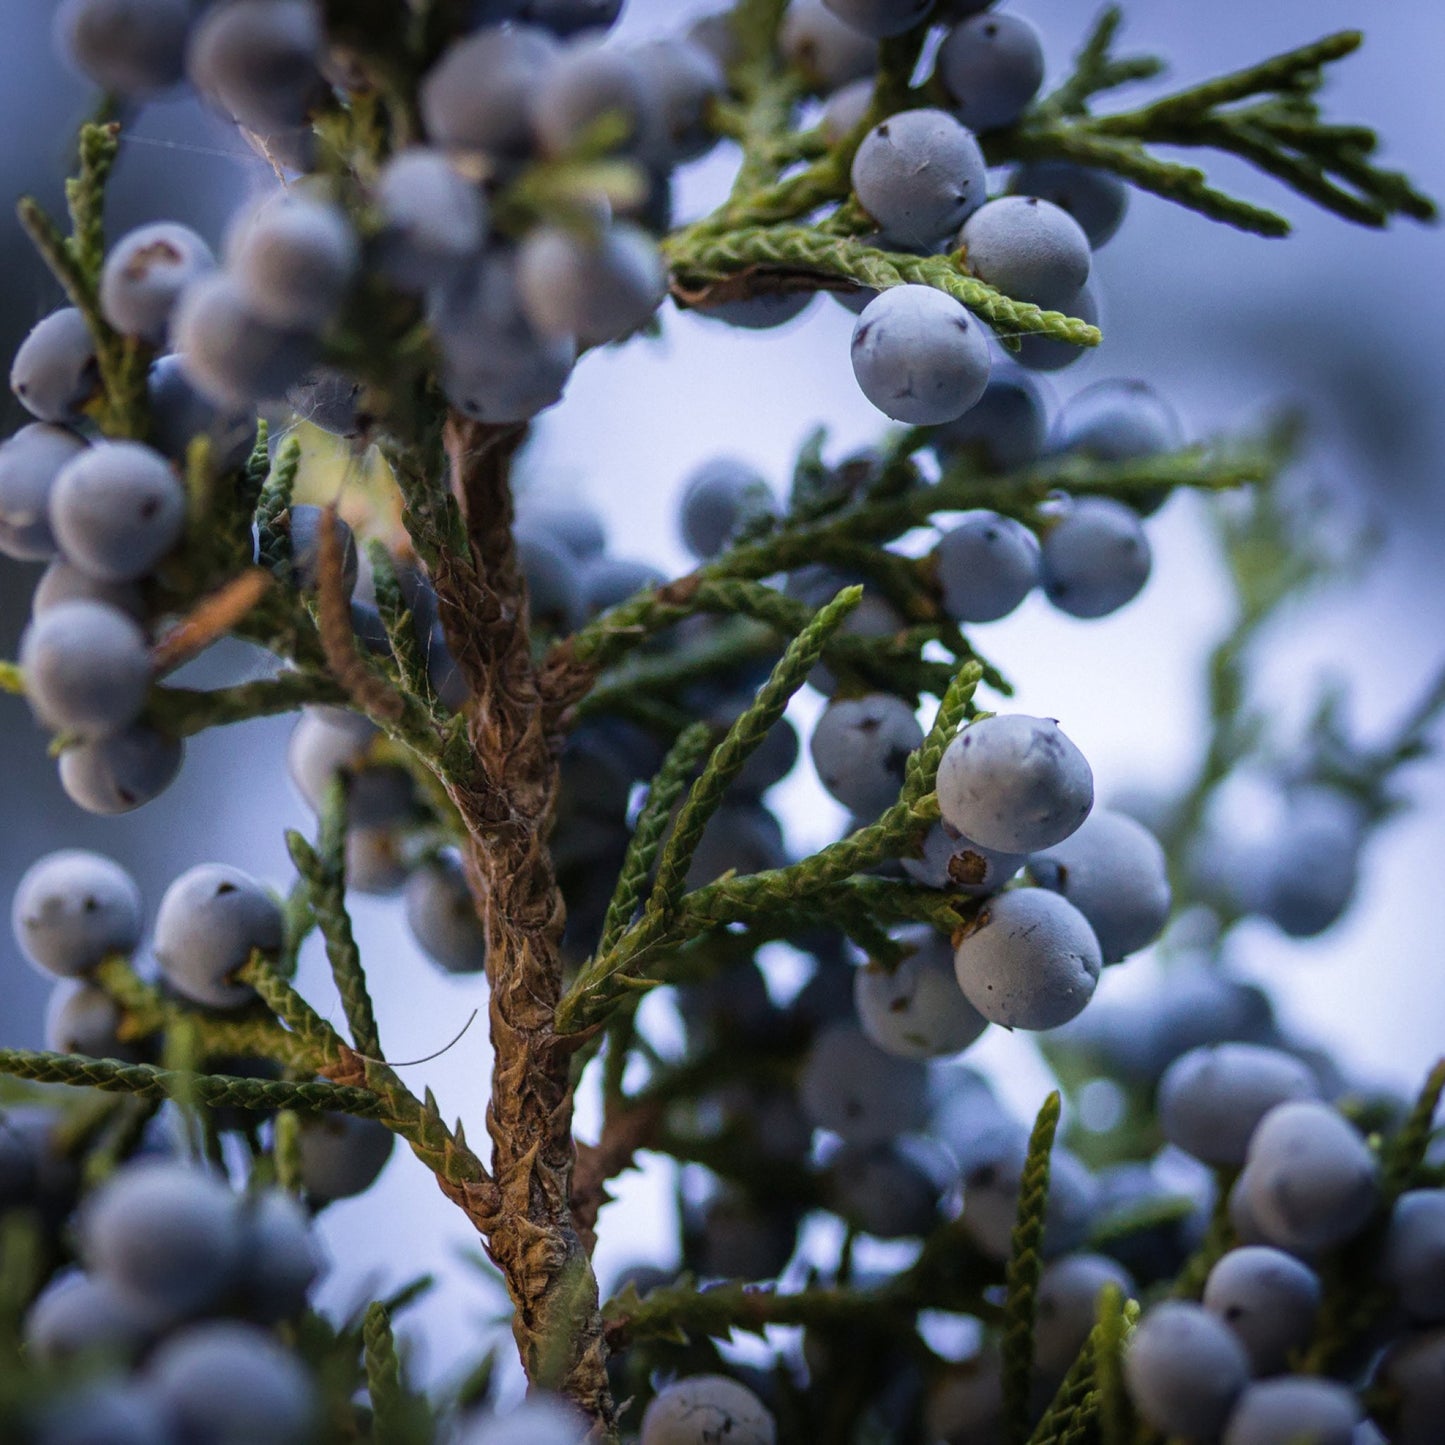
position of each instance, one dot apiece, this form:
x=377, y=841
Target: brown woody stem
x=506, y=797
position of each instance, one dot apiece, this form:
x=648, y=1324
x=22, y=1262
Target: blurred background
x=1339, y=321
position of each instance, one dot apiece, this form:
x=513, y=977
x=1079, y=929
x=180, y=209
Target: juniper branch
x=147, y=1081
x=708, y=269
x=324, y=869
x=1025, y=1265
x=1280, y=134
x=184, y=711
x=742, y=738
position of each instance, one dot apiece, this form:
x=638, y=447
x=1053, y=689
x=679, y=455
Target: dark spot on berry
x=223, y=888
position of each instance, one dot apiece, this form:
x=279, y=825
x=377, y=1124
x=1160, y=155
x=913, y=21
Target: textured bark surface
x=507, y=801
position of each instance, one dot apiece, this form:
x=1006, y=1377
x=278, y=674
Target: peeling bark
x=507, y=800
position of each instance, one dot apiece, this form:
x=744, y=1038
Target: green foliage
x=1025, y=1265
x=323, y=869
x=789, y=223
x=1265, y=114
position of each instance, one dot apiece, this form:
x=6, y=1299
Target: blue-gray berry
x=1212, y=1099
x=852, y=1087
x=259, y=61
x=226, y=1382
x=917, y=1010
x=1040, y=352
x=1413, y=1370
x=1413, y=1262
x=881, y=18
x=883, y=1191
x=1028, y=249
x=991, y=66
x=228, y=353
x=589, y=83
x=1014, y=783
x=434, y=219
x=342, y=1155
x=685, y=81
x=478, y=96
x=1096, y=199
x=1030, y=960
x=293, y=257
x=595, y=288
x=62, y=581
x=104, y=1411
x=165, y=1235
x=824, y=50
x=1007, y=427
x=1310, y=1181
x=1067, y=1307
x=78, y=1314
x=117, y=509
x=376, y=861
x=82, y=1018
x=304, y=523
x=965, y=1401
x=702, y=1408
x=842, y=114
x=280, y=1257
x=134, y=48
x=55, y=371
x=1095, y=558
x=1185, y=1370
x=578, y=527
x=1269, y=1299
x=325, y=745
x=919, y=356
x=717, y=498
x=555, y=601
x=538, y=1420
x=116, y=774
x=179, y=413
x=211, y=920
x=73, y=909
x=920, y=175
x=1311, y=867
x=144, y=274
x=1117, y=421
x=87, y=668
x=570, y=17
x=1114, y=872
x=1295, y=1410
x=30, y=461
x=992, y=1177
x=761, y=312
x=986, y=565
x=607, y=581
x=443, y=917
x=496, y=367
x=861, y=746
